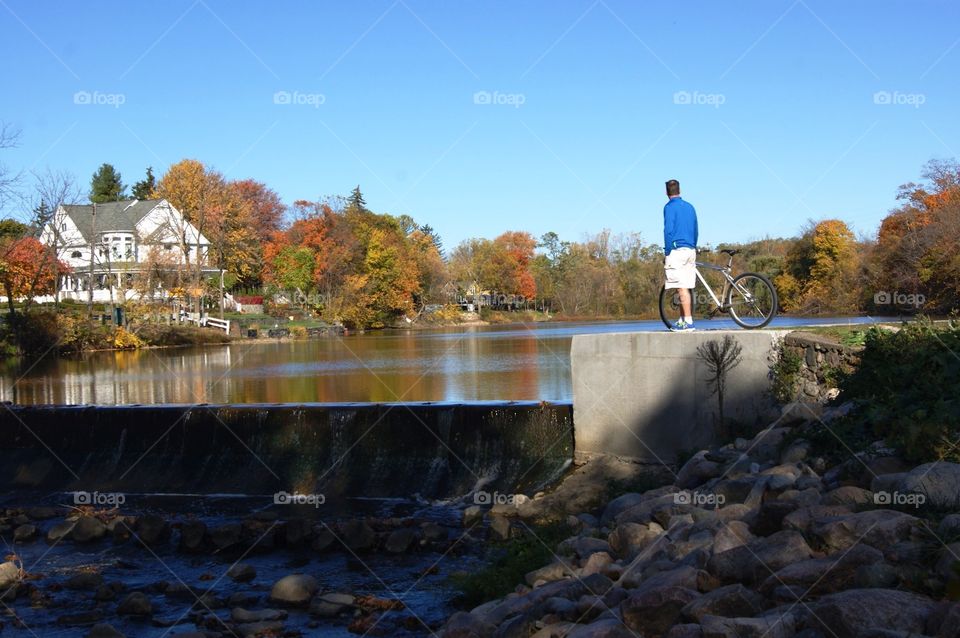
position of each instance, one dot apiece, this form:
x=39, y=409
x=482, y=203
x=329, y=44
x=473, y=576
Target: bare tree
x=51, y=190
x=721, y=357
x=9, y=180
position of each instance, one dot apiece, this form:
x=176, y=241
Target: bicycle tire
x=669, y=307
x=770, y=298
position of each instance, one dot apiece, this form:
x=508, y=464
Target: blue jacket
x=679, y=225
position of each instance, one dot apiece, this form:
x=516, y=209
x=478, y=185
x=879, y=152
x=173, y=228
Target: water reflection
x=517, y=362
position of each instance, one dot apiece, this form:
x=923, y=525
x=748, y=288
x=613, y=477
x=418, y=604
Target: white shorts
x=681, y=268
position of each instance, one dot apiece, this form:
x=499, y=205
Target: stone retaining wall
x=821, y=362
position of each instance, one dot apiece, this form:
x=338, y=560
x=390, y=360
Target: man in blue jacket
x=679, y=247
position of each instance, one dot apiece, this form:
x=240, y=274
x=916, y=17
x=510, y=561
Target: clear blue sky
x=583, y=126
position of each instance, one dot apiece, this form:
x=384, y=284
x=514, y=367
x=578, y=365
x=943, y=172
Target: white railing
x=213, y=322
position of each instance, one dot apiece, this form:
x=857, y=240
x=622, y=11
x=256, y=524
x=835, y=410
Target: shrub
x=783, y=373
x=298, y=332
x=124, y=340
x=907, y=384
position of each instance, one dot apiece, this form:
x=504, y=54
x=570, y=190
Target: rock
x=876, y=576
x=152, y=530
x=949, y=526
x=358, y=535
x=84, y=581
x=472, y=515
x=803, y=519
x=730, y=601
x=818, y=576
x=641, y=512
x=500, y=527
x=24, y=533
x=766, y=627
x=730, y=535
x=848, y=495
x=225, y=536
x=796, y=451
x=629, y=539
x=697, y=471
x=583, y=546
x=854, y=612
x=770, y=517
x=766, y=444
x=603, y=628
x=939, y=482
x=878, y=528
x=294, y=590
x=241, y=573
x=686, y=577
x=653, y=611
x=135, y=604
x=685, y=630
x=59, y=531
x=944, y=622
x=800, y=412
x=88, y=529
x=596, y=564
x=323, y=540
x=400, y=540
x=81, y=619
x=295, y=532
x=465, y=625
x=192, y=534
x=754, y=561
x=103, y=630
x=241, y=615
x=9, y=574
x=549, y=573
x=434, y=533
x=258, y=629
x=948, y=561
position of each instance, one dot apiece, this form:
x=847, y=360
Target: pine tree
x=356, y=199
x=106, y=185
x=145, y=187
x=434, y=236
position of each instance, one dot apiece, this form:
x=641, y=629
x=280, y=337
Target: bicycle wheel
x=751, y=300
x=670, y=310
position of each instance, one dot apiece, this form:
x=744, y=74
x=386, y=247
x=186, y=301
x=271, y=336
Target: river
x=503, y=362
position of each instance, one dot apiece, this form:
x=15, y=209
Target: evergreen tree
x=143, y=188
x=356, y=199
x=106, y=185
x=434, y=236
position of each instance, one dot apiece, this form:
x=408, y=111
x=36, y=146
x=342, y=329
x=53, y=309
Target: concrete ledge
x=645, y=395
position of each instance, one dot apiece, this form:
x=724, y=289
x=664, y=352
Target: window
x=76, y=255
x=168, y=246
x=63, y=225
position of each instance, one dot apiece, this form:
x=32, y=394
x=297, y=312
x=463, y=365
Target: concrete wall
x=645, y=395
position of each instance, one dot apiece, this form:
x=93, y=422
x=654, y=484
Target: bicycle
x=749, y=298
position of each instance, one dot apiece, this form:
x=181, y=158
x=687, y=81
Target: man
x=680, y=250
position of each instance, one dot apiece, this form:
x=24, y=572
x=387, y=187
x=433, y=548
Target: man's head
x=673, y=188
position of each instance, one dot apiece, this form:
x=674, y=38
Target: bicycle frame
x=723, y=270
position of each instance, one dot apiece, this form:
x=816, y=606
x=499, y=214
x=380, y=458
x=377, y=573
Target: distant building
x=138, y=248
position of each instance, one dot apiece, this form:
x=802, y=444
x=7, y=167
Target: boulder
x=24, y=533
x=730, y=535
x=472, y=515
x=84, y=581
x=848, y=495
x=878, y=528
x=465, y=625
x=765, y=627
x=241, y=615
x=224, y=536
x=697, y=471
x=818, y=576
x=135, y=604
x=88, y=529
x=152, y=530
x=876, y=576
x=357, y=535
x=192, y=534
x=730, y=602
x=770, y=517
x=597, y=563
x=59, y=531
x=756, y=560
x=949, y=526
x=103, y=630
x=855, y=612
x=323, y=539
x=803, y=519
x=241, y=573
x=400, y=540
x=603, y=628
x=629, y=539
x=583, y=546
x=652, y=611
x=294, y=590
x=500, y=527
x=9, y=574
x=433, y=532
x=939, y=482
x=549, y=573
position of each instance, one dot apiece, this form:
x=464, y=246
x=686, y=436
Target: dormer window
x=63, y=225
x=76, y=254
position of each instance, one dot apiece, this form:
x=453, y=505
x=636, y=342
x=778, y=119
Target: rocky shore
x=759, y=538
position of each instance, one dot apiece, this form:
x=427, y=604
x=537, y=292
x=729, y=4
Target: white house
x=123, y=243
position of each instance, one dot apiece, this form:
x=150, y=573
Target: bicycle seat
x=730, y=251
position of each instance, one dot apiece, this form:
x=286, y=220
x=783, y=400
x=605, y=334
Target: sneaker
x=682, y=326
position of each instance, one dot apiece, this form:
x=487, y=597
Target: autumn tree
x=106, y=185
x=821, y=270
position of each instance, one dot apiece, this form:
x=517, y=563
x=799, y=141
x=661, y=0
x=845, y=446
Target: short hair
x=673, y=188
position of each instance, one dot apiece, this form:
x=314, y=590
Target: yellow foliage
x=298, y=332
x=125, y=340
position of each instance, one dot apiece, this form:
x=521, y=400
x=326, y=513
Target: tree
x=106, y=185
x=26, y=269
x=433, y=236
x=356, y=199
x=9, y=137
x=144, y=188
x=721, y=357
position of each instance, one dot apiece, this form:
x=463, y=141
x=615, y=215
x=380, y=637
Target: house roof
x=111, y=216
